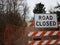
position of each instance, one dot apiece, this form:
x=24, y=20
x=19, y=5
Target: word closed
x=45, y=20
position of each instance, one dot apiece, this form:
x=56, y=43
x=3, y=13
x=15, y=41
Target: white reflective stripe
x=39, y=33
x=47, y=33
x=52, y=42
x=44, y=42
x=29, y=24
x=59, y=25
x=59, y=42
x=29, y=42
x=30, y=33
x=55, y=33
x=36, y=43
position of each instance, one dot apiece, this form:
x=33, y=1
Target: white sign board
x=45, y=20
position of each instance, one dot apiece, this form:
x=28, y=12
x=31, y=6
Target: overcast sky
x=48, y=4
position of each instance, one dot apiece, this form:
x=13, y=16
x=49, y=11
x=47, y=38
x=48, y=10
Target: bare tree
x=1, y=6
x=56, y=10
x=23, y=9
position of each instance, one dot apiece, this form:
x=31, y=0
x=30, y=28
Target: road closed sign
x=45, y=20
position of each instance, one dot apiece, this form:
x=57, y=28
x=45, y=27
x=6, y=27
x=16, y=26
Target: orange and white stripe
x=58, y=23
x=31, y=24
x=43, y=42
x=44, y=33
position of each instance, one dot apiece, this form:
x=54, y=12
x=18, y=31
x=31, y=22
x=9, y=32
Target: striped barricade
x=46, y=37
x=44, y=42
x=44, y=33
